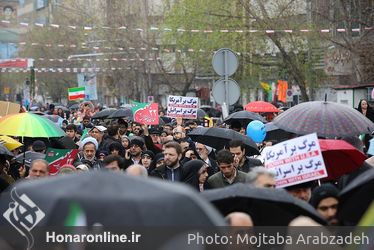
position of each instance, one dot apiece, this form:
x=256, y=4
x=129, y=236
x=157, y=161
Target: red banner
x=16, y=63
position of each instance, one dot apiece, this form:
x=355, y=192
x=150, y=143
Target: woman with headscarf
x=365, y=109
x=196, y=174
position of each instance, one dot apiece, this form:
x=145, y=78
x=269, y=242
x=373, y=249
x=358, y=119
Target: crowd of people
x=167, y=152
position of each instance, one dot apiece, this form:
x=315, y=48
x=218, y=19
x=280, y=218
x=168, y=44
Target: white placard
x=182, y=106
x=295, y=161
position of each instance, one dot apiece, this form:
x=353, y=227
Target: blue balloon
x=256, y=131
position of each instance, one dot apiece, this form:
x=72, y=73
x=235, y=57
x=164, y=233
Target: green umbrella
x=29, y=125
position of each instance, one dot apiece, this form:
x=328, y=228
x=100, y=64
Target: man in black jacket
x=241, y=161
x=172, y=169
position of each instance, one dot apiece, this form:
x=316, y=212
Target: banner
x=282, y=90
x=88, y=80
x=182, y=106
x=59, y=157
x=16, y=63
x=145, y=113
x=7, y=108
x=295, y=161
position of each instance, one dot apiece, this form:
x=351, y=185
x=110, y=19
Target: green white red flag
x=76, y=93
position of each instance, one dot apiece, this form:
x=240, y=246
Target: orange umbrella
x=261, y=107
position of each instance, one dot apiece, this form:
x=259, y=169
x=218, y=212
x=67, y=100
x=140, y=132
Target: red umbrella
x=340, y=157
x=261, y=107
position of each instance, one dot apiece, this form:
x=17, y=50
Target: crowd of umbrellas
x=128, y=201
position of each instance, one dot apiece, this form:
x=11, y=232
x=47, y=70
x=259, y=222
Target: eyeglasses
x=199, y=149
x=134, y=146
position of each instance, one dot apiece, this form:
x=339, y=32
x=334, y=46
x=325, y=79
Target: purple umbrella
x=327, y=119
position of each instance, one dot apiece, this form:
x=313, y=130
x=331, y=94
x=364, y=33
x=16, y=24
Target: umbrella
x=4, y=151
x=275, y=133
x=201, y=114
x=109, y=199
x=65, y=109
x=104, y=113
x=244, y=117
x=37, y=113
x=64, y=143
x=355, y=198
x=9, y=142
x=327, y=119
x=121, y=113
x=219, y=138
x=29, y=125
x=267, y=207
x=74, y=106
x=261, y=107
x=28, y=157
x=340, y=157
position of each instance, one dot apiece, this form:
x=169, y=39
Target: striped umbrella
x=29, y=125
x=327, y=119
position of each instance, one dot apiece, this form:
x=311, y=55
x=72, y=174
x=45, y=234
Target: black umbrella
x=267, y=207
x=356, y=198
x=121, y=113
x=244, y=117
x=104, y=113
x=65, y=109
x=219, y=138
x=114, y=199
x=28, y=157
x=201, y=114
x=4, y=151
x=74, y=106
x=275, y=133
x=64, y=143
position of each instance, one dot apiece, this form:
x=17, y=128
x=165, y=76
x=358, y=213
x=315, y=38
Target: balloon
x=256, y=131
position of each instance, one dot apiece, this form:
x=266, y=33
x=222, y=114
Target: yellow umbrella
x=9, y=142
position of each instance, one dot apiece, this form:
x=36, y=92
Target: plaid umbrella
x=327, y=119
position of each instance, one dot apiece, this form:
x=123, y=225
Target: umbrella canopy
x=28, y=157
x=121, y=113
x=74, y=106
x=139, y=202
x=267, y=207
x=4, y=151
x=355, y=198
x=29, y=125
x=9, y=142
x=103, y=114
x=327, y=119
x=201, y=114
x=37, y=113
x=65, y=109
x=261, y=107
x=219, y=138
x=64, y=143
x=340, y=157
x=244, y=117
x=275, y=133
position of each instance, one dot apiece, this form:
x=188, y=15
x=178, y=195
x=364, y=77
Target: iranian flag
x=76, y=93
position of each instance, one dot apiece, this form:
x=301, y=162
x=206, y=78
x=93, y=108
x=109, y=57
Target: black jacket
x=249, y=163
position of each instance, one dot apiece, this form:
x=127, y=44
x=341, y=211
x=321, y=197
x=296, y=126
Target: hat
x=324, y=191
x=92, y=140
x=100, y=128
x=149, y=153
x=154, y=131
x=159, y=157
x=207, y=147
x=38, y=146
x=137, y=142
x=82, y=167
x=67, y=169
